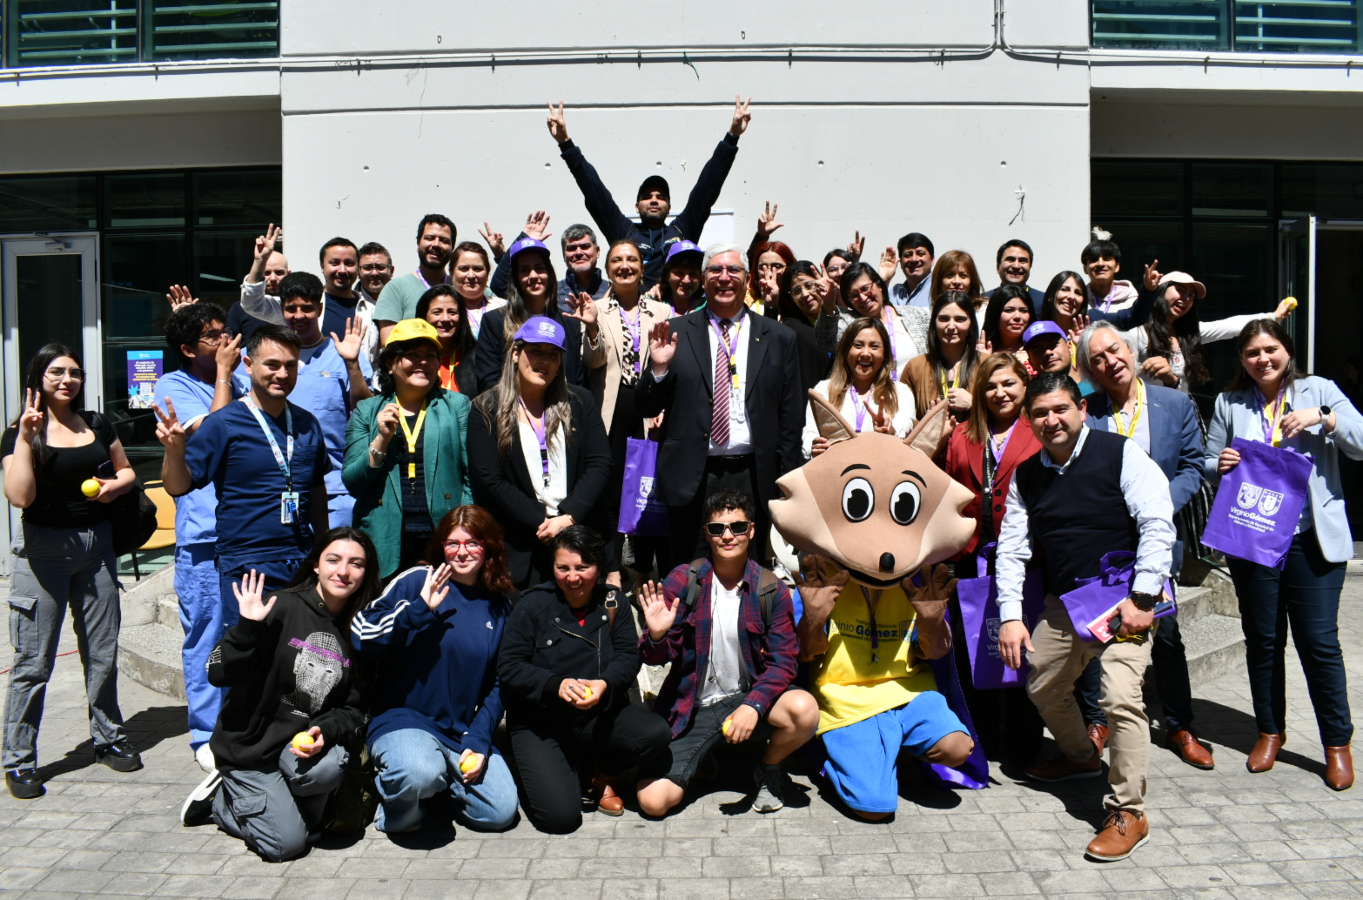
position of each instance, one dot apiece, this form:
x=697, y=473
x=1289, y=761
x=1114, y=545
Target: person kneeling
x=568, y=659
x=294, y=700
x=727, y=626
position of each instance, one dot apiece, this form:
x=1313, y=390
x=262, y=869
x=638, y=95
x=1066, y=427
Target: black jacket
x=504, y=486
x=284, y=675
x=490, y=351
x=653, y=242
x=814, y=363
x=775, y=406
x=543, y=644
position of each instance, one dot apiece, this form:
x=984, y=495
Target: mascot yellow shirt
x=854, y=680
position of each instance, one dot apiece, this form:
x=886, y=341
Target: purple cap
x=1037, y=329
x=526, y=243
x=681, y=247
x=542, y=330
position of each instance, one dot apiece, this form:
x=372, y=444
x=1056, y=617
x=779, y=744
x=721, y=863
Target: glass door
x=51, y=294
x=1297, y=278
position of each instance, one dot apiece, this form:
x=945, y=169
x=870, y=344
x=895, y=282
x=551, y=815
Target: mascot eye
x=905, y=502
x=858, y=499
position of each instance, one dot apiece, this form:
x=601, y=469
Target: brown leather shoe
x=1265, y=752
x=1190, y=749
x=1098, y=734
x=607, y=800
x=1123, y=831
x=1339, y=767
x=1062, y=768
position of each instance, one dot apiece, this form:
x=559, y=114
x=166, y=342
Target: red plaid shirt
x=769, y=654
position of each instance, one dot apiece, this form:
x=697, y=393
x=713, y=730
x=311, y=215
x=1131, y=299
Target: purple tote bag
x=1258, y=504
x=1094, y=596
x=980, y=620
x=641, y=513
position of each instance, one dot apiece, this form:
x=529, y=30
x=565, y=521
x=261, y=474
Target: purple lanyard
x=633, y=329
x=1107, y=301
x=857, y=407
x=422, y=278
x=539, y=435
x=1270, y=425
x=998, y=453
x=894, y=336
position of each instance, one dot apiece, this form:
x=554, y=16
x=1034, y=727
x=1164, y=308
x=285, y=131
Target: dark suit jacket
x=1034, y=296
x=490, y=351
x=504, y=486
x=1175, y=442
x=774, y=401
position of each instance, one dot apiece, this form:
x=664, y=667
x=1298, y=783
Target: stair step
x=1215, y=645
x=150, y=655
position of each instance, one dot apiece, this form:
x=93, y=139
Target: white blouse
x=902, y=422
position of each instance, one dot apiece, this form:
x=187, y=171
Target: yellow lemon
x=725, y=727
x=1291, y=302
x=89, y=487
x=302, y=741
x=469, y=764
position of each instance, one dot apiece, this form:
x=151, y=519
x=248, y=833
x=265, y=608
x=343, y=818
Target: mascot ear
x=931, y=431
x=831, y=424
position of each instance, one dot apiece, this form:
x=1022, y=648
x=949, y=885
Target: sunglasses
x=717, y=529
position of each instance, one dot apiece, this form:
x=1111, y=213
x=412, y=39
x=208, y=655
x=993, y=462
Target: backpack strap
x=766, y=595
x=612, y=605
x=692, y=584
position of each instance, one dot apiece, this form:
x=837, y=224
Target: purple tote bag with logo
x=1258, y=504
x=1094, y=596
x=980, y=621
x=641, y=512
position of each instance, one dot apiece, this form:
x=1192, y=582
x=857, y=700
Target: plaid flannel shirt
x=770, y=655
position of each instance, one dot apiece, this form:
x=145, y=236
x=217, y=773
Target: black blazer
x=491, y=348
x=775, y=406
x=504, y=488
x=814, y=363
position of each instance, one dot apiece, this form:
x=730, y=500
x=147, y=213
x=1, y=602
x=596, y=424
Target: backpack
x=132, y=515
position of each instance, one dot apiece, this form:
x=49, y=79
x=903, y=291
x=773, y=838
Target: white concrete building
x=1223, y=137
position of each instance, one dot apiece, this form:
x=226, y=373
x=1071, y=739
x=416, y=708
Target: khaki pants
x=1058, y=660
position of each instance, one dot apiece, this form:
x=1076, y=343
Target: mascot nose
x=887, y=562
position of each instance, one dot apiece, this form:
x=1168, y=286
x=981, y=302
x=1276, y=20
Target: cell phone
x=105, y=469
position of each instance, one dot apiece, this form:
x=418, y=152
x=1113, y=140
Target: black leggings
x=554, y=761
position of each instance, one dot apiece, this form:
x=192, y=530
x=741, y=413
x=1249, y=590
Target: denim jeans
x=1305, y=593
x=414, y=766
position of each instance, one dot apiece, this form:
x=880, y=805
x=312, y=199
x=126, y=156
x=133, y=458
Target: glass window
x=72, y=32
x=1128, y=188
x=1238, y=264
x=1151, y=24
x=1143, y=243
x=250, y=197
x=136, y=426
x=233, y=28
x=1328, y=190
x=49, y=302
x=1232, y=189
x=1306, y=26
x=138, y=269
x=221, y=261
x=47, y=203
x=145, y=200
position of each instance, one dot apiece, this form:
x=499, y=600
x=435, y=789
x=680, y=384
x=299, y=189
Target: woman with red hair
x=767, y=264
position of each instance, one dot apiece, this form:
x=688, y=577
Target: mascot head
x=873, y=503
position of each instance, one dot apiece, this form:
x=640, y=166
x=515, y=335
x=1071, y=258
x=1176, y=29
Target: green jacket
x=378, y=501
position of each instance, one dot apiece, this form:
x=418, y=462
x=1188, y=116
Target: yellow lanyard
x=1135, y=416
x=1273, y=420
x=412, y=434
x=955, y=383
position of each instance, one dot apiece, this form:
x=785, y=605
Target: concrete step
x=1214, y=596
x=150, y=641
x=1215, y=645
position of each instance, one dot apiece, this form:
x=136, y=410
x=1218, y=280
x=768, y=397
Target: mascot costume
x=871, y=516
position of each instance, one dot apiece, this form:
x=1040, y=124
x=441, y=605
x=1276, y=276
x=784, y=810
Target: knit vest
x=1077, y=516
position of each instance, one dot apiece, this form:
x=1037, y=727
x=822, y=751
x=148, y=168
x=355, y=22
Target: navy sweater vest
x=1077, y=516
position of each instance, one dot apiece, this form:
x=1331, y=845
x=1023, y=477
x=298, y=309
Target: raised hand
x=662, y=345
x=1153, y=276
x=889, y=261
x=169, y=431
x=437, y=585
x=248, y=597
x=857, y=245
x=348, y=348
x=1077, y=326
x=766, y=222
x=770, y=289
x=180, y=296
x=828, y=290
x=558, y=126
x=535, y=225
x=387, y=421
x=983, y=346
x=583, y=308
x=659, y=616
x=31, y=419
x=742, y=115
x=1284, y=309
x=496, y=242
x=266, y=242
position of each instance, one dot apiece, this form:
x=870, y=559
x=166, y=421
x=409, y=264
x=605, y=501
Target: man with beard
x=581, y=253
x=653, y=201
x=434, y=245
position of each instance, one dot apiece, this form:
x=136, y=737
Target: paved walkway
x=1223, y=835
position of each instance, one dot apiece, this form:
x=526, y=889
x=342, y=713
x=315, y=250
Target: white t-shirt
x=725, y=673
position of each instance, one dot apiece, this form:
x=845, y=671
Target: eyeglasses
x=866, y=290
x=467, y=546
x=212, y=337
x=724, y=270
x=717, y=529
x=59, y=374
x=771, y=267
x=375, y=267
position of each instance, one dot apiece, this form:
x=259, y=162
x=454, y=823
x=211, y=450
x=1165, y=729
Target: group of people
x=398, y=504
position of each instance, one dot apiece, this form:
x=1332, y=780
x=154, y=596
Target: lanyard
x=422, y=278
x=1273, y=434
x=729, y=348
x=956, y=382
x=282, y=459
x=1135, y=416
x=633, y=329
x=889, y=318
x=475, y=318
x=997, y=451
x=412, y=434
x=539, y=435
x=857, y=407
x=875, y=632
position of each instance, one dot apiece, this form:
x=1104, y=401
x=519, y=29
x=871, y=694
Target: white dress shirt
x=740, y=438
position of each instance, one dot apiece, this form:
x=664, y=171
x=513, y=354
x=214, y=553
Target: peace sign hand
x=828, y=290
x=496, y=242
x=248, y=597
x=662, y=345
x=1153, y=276
x=882, y=425
x=857, y=245
x=31, y=419
x=983, y=346
x=658, y=615
x=266, y=242
x=742, y=115
x=436, y=586
x=766, y=222
x=169, y=431
x=558, y=126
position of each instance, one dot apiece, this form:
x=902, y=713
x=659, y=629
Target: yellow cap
x=414, y=329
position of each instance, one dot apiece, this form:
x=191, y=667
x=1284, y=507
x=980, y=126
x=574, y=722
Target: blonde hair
x=882, y=385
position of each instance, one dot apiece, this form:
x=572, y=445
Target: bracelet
x=223, y=381
x=380, y=454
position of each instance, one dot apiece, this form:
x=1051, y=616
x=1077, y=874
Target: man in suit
x=728, y=384
x=1164, y=423
x=1014, y=265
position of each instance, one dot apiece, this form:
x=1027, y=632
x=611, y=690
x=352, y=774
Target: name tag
x=288, y=507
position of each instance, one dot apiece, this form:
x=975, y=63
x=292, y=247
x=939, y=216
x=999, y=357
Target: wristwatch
x=1324, y=413
x=1144, y=602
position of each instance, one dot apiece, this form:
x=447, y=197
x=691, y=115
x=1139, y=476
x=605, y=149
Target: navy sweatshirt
x=437, y=670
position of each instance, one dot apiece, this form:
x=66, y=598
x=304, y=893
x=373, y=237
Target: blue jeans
x=414, y=766
x=201, y=617
x=1305, y=593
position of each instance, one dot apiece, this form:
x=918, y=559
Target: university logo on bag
x=1270, y=503
x=1249, y=495
x=645, y=486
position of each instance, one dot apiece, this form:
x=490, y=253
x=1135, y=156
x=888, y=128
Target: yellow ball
x=302, y=741
x=1291, y=302
x=89, y=487
x=586, y=692
x=469, y=764
x=724, y=729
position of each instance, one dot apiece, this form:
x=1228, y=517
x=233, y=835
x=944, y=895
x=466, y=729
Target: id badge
x=737, y=405
x=288, y=507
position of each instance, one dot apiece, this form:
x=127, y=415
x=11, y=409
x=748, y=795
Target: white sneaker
x=204, y=757
x=198, y=806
